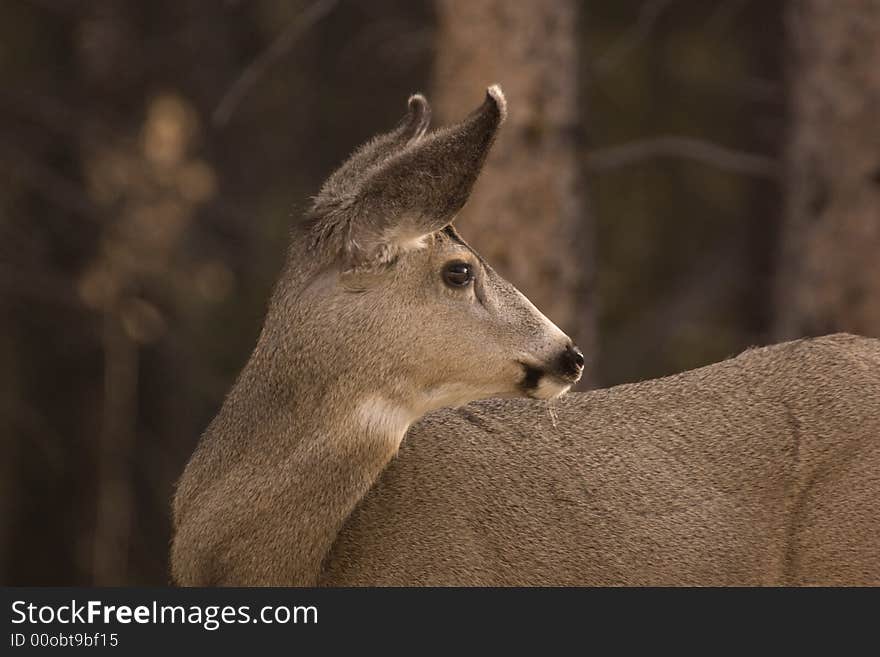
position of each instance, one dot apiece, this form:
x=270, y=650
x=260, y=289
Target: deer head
x=388, y=302
x=381, y=314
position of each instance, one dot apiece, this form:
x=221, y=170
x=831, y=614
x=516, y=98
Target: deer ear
x=412, y=193
x=410, y=129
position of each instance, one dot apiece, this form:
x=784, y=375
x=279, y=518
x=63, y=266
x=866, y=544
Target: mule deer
x=764, y=469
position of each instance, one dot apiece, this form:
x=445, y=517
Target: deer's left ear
x=412, y=193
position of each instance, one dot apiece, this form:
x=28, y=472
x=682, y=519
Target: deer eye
x=458, y=274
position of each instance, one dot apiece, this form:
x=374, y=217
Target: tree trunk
x=829, y=278
x=527, y=214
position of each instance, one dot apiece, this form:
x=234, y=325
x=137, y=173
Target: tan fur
x=762, y=469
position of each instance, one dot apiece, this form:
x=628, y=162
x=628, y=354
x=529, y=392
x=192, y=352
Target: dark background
x=678, y=180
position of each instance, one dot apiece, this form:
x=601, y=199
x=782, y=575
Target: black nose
x=572, y=360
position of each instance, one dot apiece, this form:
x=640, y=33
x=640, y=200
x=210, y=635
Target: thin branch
x=258, y=68
x=38, y=287
x=720, y=157
x=53, y=115
x=724, y=14
x=649, y=13
x=64, y=8
x=52, y=186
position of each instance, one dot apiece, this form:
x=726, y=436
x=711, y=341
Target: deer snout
x=555, y=376
x=570, y=364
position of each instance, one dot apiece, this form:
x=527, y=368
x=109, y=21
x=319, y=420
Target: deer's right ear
x=410, y=129
x=414, y=191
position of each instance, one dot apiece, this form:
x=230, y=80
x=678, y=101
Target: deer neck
x=331, y=443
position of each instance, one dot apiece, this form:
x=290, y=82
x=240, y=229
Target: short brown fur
x=764, y=469
x=760, y=470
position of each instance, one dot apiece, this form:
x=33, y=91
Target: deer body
x=762, y=469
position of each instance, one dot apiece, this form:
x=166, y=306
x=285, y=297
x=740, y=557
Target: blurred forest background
x=678, y=180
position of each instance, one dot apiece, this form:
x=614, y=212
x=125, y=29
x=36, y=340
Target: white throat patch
x=549, y=388
x=383, y=418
